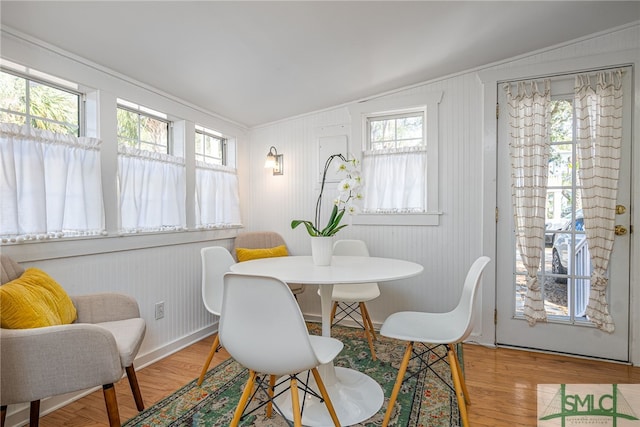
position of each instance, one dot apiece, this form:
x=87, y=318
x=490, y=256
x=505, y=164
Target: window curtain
x=50, y=184
x=529, y=114
x=217, y=197
x=152, y=191
x=395, y=180
x=598, y=100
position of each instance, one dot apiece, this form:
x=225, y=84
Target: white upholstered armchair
x=93, y=351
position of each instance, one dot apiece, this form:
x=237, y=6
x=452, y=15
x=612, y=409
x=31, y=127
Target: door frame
x=489, y=80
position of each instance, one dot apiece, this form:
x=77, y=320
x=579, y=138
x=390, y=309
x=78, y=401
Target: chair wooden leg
x=112, y=405
x=333, y=312
x=243, y=399
x=3, y=415
x=272, y=385
x=455, y=374
x=135, y=387
x=399, y=379
x=325, y=396
x=205, y=368
x=295, y=403
x=369, y=322
x=367, y=332
x=461, y=375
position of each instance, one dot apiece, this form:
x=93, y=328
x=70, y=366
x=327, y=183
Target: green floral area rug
x=424, y=400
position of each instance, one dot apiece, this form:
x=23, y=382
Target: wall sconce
x=274, y=161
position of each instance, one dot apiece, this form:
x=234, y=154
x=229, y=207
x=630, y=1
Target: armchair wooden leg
x=399, y=379
x=243, y=399
x=3, y=415
x=112, y=405
x=135, y=388
x=34, y=413
x=205, y=368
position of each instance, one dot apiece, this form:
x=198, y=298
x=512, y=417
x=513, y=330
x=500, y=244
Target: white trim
x=64, y=248
x=430, y=102
x=429, y=218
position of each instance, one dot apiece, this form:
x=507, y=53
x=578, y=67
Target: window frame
x=415, y=112
x=428, y=102
x=49, y=81
x=206, y=132
x=152, y=114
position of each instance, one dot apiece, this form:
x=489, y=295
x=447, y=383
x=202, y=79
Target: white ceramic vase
x=322, y=250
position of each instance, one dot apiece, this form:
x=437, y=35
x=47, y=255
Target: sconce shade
x=274, y=161
x=271, y=161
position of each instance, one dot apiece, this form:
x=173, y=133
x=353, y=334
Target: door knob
x=620, y=230
x=620, y=209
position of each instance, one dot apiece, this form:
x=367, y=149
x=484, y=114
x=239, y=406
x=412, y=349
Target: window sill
x=428, y=219
x=77, y=246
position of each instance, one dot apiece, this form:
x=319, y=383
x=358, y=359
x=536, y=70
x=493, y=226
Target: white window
x=50, y=183
x=211, y=147
x=217, y=198
x=396, y=131
x=151, y=182
x=39, y=104
x=142, y=128
x=399, y=139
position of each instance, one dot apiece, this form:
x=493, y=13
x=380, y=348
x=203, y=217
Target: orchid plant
x=349, y=191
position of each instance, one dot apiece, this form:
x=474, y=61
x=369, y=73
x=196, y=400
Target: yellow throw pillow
x=34, y=300
x=244, y=254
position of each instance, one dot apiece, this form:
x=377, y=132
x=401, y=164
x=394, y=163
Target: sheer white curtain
x=598, y=101
x=395, y=180
x=50, y=184
x=152, y=191
x=529, y=114
x=217, y=198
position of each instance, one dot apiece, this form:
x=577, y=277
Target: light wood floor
x=502, y=384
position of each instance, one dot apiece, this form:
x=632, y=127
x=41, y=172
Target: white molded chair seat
x=349, y=299
x=355, y=292
x=433, y=329
x=271, y=338
x=216, y=261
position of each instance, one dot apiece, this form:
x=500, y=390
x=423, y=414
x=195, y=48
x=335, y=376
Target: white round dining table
x=355, y=396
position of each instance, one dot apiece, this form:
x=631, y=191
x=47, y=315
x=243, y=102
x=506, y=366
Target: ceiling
x=259, y=62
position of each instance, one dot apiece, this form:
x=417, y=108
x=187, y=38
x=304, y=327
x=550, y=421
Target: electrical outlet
x=159, y=310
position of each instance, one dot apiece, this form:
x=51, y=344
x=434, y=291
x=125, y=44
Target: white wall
x=467, y=189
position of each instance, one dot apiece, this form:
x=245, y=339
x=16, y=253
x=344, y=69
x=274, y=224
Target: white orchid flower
x=346, y=185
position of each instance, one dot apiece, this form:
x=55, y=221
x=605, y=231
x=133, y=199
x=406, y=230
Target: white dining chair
x=433, y=330
x=216, y=261
x=350, y=299
x=272, y=339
